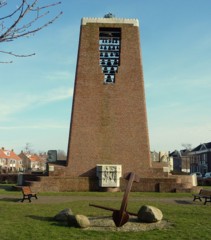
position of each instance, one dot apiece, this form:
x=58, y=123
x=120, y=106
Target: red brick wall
x=109, y=123
x=58, y=184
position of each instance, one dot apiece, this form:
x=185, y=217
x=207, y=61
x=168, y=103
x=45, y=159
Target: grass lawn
x=34, y=221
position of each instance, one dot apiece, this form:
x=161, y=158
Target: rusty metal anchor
x=120, y=217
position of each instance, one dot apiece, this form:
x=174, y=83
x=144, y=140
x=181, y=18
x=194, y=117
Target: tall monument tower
x=108, y=131
x=109, y=120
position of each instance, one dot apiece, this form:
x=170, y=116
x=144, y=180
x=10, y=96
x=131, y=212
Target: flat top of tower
x=110, y=20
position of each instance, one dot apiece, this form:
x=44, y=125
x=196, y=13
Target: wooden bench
x=203, y=194
x=27, y=193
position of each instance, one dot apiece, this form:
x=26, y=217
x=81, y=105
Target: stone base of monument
x=59, y=181
x=65, y=183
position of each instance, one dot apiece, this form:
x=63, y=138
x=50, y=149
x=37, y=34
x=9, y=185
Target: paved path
x=63, y=199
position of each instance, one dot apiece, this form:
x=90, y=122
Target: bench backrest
x=26, y=190
x=205, y=192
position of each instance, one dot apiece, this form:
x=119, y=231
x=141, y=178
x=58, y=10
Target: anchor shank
x=127, y=191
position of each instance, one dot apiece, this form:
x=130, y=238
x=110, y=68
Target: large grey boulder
x=79, y=221
x=82, y=221
x=63, y=215
x=149, y=214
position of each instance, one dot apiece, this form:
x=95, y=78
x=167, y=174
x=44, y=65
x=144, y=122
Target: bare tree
x=23, y=20
x=61, y=155
x=187, y=146
x=28, y=148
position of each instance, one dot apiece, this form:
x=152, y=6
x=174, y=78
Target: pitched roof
x=208, y=145
x=34, y=158
x=175, y=153
x=2, y=154
x=202, y=146
x=11, y=154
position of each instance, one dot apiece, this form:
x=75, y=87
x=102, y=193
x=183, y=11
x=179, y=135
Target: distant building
x=3, y=161
x=10, y=161
x=185, y=160
x=154, y=156
x=200, y=158
x=163, y=159
x=181, y=160
x=33, y=162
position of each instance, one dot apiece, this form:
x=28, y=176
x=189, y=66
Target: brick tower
x=109, y=122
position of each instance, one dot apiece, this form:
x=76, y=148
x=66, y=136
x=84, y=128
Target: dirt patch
x=107, y=224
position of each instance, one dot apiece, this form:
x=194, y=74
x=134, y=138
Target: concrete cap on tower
x=134, y=22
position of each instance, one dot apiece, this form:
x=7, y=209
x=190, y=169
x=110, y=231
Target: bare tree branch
x=187, y=146
x=22, y=22
x=8, y=32
x=13, y=37
x=10, y=15
x=18, y=55
x=6, y=62
x=3, y=3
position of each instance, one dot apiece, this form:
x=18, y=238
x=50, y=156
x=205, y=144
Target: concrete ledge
x=134, y=22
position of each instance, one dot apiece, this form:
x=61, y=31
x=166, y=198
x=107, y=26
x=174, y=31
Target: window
x=109, y=47
x=7, y=153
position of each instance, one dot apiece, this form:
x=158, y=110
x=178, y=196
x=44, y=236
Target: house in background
x=3, y=161
x=10, y=161
x=33, y=162
x=200, y=158
x=195, y=160
x=185, y=160
x=162, y=159
x=154, y=156
x=177, y=160
x=181, y=160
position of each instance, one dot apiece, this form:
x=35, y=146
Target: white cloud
x=59, y=76
x=169, y=138
x=57, y=94
x=37, y=126
x=21, y=101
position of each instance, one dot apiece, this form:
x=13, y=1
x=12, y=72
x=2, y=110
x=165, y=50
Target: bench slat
x=27, y=193
x=203, y=193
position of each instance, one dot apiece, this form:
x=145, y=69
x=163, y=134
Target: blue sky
x=36, y=92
